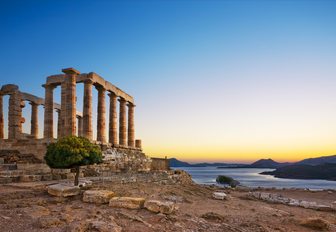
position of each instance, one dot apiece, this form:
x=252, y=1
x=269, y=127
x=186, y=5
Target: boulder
x=166, y=207
x=102, y=226
x=333, y=205
x=62, y=190
x=219, y=195
x=318, y=224
x=97, y=196
x=127, y=202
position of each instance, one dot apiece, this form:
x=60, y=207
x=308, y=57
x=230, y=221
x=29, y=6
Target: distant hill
x=266, y=163
x=318, y=160
x=173, y=162
x=325, y=171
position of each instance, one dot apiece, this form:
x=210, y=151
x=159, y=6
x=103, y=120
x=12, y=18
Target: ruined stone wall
x=23, y=151
x=159, y=164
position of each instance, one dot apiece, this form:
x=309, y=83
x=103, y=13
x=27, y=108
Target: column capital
x=112, y=94
x=100, y=88
x=49, y=86
x=70, y=71
x=33, y=103
x=130, y=104
x=122, y=100
x=88, y=81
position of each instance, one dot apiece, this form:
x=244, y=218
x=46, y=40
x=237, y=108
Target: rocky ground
x=28, y=207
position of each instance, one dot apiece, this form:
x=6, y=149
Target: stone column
x=70, y=99
x=80, y=125
x=113, y=119
x=138, y=143
x=1, y=118
x=87, y=110
x=122, y=122
x=101, y=125
x=130, y=137
x=62, y=111
x=48, y=111
x=34, y=120
x=59, y=123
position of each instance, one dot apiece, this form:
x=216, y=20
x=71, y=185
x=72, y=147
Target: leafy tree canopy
x=72, y=151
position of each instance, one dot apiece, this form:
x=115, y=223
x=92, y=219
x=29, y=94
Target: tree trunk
x=77, y=176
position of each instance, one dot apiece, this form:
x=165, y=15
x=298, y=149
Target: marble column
x=70, y=99
x=62, y=111
x=1, y=118
x=113, y=119
x=59, y=123
x=34, y=120
x=87, y=110
x=122, y=122
x=138, y=143
x=101, y=125
x=130, y=127
x=80, y=125
x=48, y=111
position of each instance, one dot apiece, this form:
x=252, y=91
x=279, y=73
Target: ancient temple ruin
x=121, y=150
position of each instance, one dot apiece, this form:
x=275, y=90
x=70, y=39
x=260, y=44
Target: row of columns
x=126, y=137
x=67, y=117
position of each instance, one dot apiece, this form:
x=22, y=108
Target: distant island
x=313, y=168
x=325, y=171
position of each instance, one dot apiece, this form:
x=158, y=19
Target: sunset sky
x=230, y=81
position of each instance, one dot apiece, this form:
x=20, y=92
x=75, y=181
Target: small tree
x=72, y=152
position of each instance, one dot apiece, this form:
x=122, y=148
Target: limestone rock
x=155, y=206
x=97, y=196
x=104, y=226
x=61, y=190
x=49, y=221
x=316, y=224
x=219, y=195
x=127, y=202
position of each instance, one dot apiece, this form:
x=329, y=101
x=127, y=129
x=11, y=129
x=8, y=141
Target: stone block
x=30, y=178
x=97, y=196
x=127, y=202
x=219, y=195
x=62, y=190
x=2, y=160
x=166, y=207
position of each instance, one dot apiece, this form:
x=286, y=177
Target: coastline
x=196, y=209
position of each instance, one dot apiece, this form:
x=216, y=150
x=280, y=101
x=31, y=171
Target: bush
x=227, y=180
x=72, y=152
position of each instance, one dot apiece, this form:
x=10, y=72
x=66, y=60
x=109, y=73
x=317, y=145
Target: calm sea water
x=250, y=177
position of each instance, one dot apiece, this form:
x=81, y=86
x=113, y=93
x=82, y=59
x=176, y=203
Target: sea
x=251, y=177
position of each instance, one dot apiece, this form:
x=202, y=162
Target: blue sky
x=215, y=80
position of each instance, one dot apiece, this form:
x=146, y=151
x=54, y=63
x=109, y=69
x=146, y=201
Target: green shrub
x=72, y=152
x=227, y=180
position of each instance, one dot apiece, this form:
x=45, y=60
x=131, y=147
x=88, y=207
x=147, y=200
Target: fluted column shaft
x=48, y=112
x=59, y=123
x=113, y=119
x=1, y=118
x=87, y=110
x=34, y=120
x=70, y=108
x=80, y=125
x=101, y=125
x=131, y=139
x=62, y=112
x=122, y=122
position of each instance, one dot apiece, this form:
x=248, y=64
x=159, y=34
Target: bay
x=250, y=177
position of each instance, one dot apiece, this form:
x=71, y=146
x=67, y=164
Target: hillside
x=267, y=163
x=299, y=171
x=318, y=160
